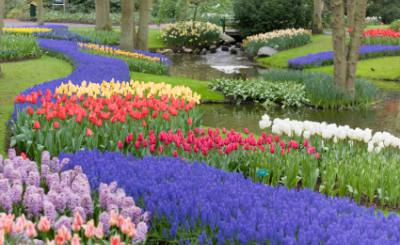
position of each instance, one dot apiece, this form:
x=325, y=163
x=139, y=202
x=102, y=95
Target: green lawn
x=22, y=75
x=319, y=43
x=386, y=68
x=112, y=37
x=201, y=87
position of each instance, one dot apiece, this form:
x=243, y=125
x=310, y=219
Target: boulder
x=166, y=51
x=234, y=51
x=187, y=50
x=213, y=49
x=227, y=39
x=204, y=51
x=224, y=48
x=238, y=45
x=266, y=51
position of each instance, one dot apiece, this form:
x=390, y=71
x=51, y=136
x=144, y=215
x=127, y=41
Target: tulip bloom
x=36, y=125
x=89, y=132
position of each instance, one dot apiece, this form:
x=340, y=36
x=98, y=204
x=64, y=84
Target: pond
x=384, y=116
x=213, y=66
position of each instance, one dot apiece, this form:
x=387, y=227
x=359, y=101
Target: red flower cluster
x=212, y=141
x=96, y=110
x=381, y=33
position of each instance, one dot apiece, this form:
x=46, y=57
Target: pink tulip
x=44, y=224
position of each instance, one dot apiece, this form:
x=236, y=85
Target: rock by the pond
x=224, y=48
x=266, y=52
x=187, y=50
x=234, y=51
x=165, y=51
x=204, y=51
x=213, y=49
x=238, y=45
x=227, y=39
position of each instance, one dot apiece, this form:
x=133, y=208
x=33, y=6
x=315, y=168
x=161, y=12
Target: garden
x=194, y=122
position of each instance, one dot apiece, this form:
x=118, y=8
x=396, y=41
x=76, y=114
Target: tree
x=144, y=20
x=103, y=20
x=40, y=9
x=127, y=24
x=317, y=27
x=346, y=53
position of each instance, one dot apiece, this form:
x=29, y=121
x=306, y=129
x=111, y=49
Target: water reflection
x=385, y=116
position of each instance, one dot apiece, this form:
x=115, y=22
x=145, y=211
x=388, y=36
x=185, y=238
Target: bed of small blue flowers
x=194, y=203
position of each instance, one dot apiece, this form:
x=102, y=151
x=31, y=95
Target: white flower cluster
x=185, y=28
x=263, y=37
x=376, y=142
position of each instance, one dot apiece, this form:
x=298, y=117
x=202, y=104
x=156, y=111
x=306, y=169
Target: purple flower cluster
x=218, y=207
x=326, y=58
x=60, y=32
x=57, y=194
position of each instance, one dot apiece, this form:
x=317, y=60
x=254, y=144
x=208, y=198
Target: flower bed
x=57, y=122
x=354, y=162
x=197, y=203
x=137, y=60
x=59, y=206
x=88, y=67
x=279, y=39
x=381, y=36
x=25, y=30
x=191, y=35
x=326, y=58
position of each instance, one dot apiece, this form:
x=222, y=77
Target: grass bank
x=22, y=75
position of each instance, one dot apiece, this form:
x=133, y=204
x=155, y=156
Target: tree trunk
x=143, y=32
x=2, y=11
x=40, y=12
x=127, y=25
x=354, y=45
x=317, y=19
x=103, y=21
x=339, y=43
x=350, y=10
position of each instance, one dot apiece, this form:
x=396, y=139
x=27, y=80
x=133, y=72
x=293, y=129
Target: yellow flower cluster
x=185, y=28
x=113, y=51
x=108, y=89
x=262, y=37
x=25, y=30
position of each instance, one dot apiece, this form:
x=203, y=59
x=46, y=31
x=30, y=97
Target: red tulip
x=36, y=125
x=120, y=145
x=30, y=110
x=89, y=132
x=317, y=156
x=56, y=125
x=175, y=154
x=190, y=121
x=246, y=131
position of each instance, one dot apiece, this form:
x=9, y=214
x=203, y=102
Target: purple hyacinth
x=204, y=202
x=326, y=58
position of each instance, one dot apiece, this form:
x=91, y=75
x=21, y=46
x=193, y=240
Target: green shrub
x=17, y=47
x=145, y=66
x=395, y=26
x=321, y=92
x=389, y=10
x=190, y=34
x=287, y=94
x=257, y=16
x=278, y=39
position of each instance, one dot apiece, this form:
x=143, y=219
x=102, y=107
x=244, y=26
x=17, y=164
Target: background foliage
x=272, y=15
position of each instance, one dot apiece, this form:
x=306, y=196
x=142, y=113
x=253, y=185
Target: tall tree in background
x=103, y=20
x=2, y=11
x=346, y=53
x=127, y=24
x=317, y=27
x=40, y=12
x=144, y=20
